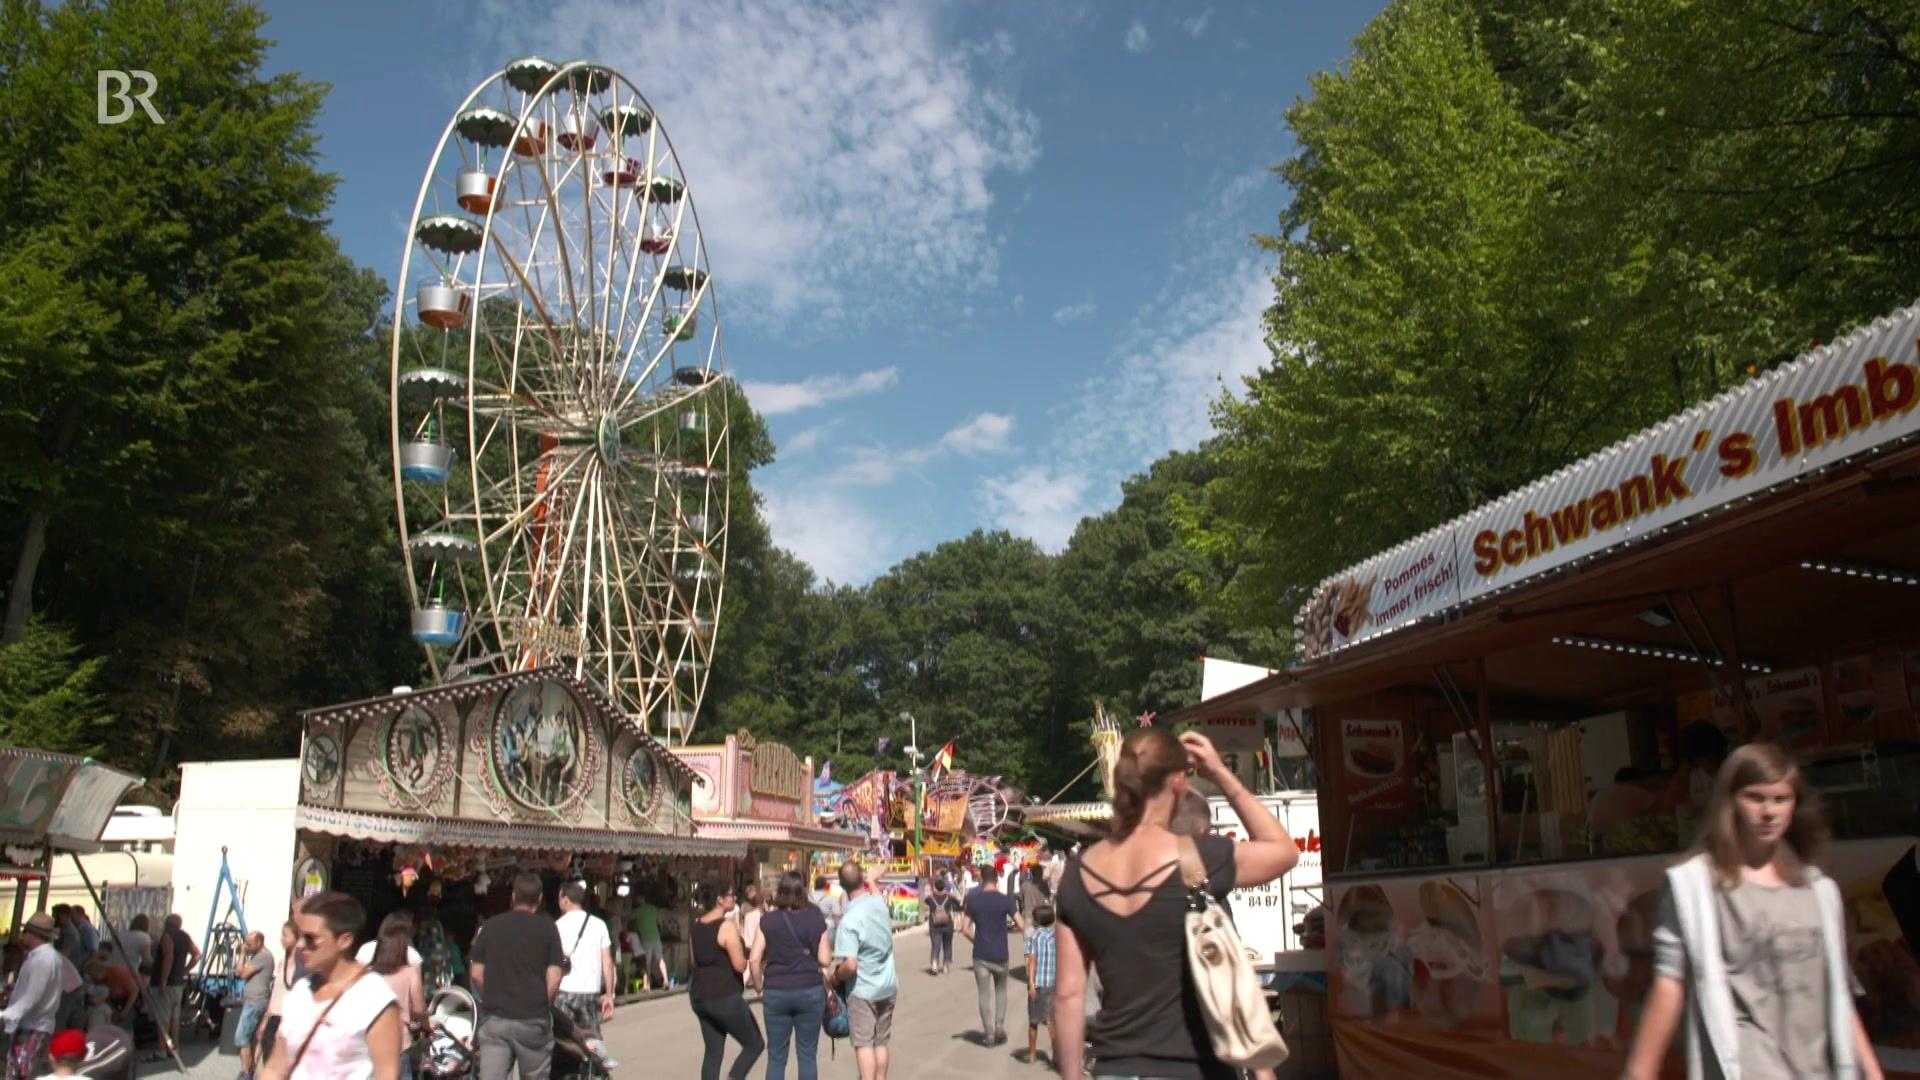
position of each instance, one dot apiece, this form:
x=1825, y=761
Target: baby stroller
x=452, y=1021
x=577, y=1055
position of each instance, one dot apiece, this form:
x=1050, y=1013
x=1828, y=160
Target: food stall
x=1512, y=716
x=433, y=799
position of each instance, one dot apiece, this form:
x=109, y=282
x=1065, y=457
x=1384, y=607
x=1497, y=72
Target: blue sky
x=977, y=263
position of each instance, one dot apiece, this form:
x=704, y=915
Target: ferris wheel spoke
x=525, y=510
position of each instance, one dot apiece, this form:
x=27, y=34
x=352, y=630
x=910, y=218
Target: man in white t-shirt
x=586, y=979
x=365, y=953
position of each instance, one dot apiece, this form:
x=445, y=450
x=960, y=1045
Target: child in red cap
x=68, y=1049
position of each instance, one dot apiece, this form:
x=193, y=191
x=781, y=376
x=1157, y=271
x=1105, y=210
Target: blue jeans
x=797, y=1013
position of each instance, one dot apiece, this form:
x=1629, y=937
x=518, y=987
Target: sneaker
x=599, y=1050
x=999, y=1038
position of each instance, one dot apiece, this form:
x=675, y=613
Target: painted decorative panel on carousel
x=323, y=761
x=403, y=760
x=536, y=753
x=645, y=793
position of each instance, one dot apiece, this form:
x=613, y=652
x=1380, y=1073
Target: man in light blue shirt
x=864, y=948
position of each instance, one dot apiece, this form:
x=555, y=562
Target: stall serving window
x=1605, y=728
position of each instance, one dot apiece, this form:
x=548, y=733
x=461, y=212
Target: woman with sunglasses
x=342, y=1022
x=716, y=990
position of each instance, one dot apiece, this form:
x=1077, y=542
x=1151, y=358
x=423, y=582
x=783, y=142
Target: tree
x=965, y=637
x=47, y=697
x=188, y=372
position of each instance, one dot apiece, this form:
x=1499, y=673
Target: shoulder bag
x=566, y=959
x=1239, y=1023
x=321, y=1021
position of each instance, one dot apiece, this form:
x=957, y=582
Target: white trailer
x=1266, y=915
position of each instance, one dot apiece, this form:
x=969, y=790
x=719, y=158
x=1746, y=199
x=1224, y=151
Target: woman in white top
x=343, y=1022
x=390, y=962
x=1751, y=949
x=748, y=914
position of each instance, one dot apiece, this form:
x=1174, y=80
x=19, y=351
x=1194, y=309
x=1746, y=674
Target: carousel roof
x=468, y=689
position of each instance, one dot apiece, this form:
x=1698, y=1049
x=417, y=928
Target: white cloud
x=1198, y=24
x=776, y=399
x=840, y=538
x=987, y=433
x=1039, y=502
x=1073, y=313
x=841, y=155
x=1200, y=337
x=809, y=438
x=867, y=466
x=875, y=466
x=1138, y=40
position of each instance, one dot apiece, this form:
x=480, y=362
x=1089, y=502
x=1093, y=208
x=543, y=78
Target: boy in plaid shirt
x=1041, y=973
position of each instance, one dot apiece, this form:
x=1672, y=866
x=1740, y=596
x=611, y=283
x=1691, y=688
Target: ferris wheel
x=559, y=409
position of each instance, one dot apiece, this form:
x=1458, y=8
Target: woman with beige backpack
x=1133, y=907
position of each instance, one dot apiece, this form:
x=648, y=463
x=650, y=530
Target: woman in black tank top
x=715, y=989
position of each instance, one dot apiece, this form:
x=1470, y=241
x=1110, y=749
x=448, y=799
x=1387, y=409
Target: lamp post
x=919, y=784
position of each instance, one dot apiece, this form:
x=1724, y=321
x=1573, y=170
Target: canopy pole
x=1742, y=703
x=1075, y=780
x=1486, y=758
x=146, y=985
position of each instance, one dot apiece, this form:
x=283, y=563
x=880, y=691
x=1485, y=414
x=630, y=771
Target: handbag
x=1238, y=1021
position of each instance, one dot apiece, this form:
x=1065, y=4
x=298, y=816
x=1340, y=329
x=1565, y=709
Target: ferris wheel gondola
x=559, y=424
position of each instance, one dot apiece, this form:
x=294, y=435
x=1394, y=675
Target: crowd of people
x=1104, y=955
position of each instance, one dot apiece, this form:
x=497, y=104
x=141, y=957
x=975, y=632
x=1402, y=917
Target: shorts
x=1040, y=1007
x=869, y=1023
x=269, y=1031
x=583, y=1010
x=167, y=1005
x=251, y=1013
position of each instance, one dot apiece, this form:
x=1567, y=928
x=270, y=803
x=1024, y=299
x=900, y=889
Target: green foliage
x=189, y=380
x=1521, y=230
x=47, y=695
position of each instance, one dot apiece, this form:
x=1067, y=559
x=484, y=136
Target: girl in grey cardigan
x=1751, y=943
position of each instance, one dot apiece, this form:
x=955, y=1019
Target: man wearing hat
x=30, y=1013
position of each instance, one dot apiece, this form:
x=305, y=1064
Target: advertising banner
x=1830, y=404
x=1374, y=755
x=1387, y=591
x=1544, y=971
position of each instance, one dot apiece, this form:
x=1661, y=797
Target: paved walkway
x=935, y=1032
x=935, y=1028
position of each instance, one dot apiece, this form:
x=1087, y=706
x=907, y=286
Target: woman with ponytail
x=1122, y=911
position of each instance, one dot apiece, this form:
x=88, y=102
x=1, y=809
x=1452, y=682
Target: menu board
x=1373, y=756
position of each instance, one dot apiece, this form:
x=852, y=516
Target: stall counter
x=1526, y=970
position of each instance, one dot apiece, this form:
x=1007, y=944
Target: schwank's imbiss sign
x=1857, y=394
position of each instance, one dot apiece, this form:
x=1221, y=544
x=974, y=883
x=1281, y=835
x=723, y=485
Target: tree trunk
x=20, y=592
x=34, y=544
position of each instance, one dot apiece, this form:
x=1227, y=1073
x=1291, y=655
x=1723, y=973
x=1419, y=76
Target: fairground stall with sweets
x=1517, y=715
